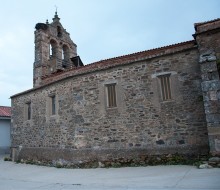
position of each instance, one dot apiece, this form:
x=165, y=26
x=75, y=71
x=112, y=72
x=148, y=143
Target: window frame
x=111, y=95
x=53, y=104
x=28, y=111
x=218, y=68
x=165, y=87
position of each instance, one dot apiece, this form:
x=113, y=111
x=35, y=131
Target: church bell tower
x=54, y=50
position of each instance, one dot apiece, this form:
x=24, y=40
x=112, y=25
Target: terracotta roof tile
x=111, y=62
x=207, y=22
x=5, y=111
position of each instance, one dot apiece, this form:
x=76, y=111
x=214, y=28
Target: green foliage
x=30, y=162
x=7, y=159
x=197, y=163
x=58, y=165
x=115, y=165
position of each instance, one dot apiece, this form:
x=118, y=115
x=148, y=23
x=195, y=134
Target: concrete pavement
x=30, y=177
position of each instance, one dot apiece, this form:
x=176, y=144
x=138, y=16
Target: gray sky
x=101, y=29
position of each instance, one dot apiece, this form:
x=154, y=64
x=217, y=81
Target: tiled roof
x=203, y=27
x=147, y=53
x=112, y=62
x=207, y=22
x=134, y=57
x=5, y=111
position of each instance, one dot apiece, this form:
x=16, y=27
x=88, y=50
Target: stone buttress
x=208, y=39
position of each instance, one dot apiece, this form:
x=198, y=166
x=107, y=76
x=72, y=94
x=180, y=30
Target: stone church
x=155, y=102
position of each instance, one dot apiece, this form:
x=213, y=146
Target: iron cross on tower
x=56, y=9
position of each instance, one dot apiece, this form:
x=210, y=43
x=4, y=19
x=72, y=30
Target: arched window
x=52, y=48
x=62, y=54
x=218, y=67
x=59, y=31
x=65, y=53
x=65, y=56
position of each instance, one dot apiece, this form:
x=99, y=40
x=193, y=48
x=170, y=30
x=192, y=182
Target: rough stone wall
x=122, y=60
x=141, y=119
x=208, y=39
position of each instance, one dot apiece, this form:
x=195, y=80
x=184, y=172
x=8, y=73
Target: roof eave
x=115, y=65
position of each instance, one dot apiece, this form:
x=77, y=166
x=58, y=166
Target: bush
x=7, y=159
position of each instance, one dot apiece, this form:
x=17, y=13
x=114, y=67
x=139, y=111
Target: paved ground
x=28, y=177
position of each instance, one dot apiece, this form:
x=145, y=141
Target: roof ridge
x=121, y=57
x=206, y=22
x=5, y=111
x=103, y=64
x=158, y=48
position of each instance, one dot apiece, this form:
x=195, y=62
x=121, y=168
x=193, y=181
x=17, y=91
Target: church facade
x=155, y=102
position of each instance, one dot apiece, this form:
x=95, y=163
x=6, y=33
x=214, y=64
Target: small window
x=28, y=111
x=111, y=95
x=52, y=49
x=218, y=67
x=65, y=56
x=59, y=31
x=165, y=87
x=53, y=105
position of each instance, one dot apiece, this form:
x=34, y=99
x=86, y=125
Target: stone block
x=210, y=76
x=217, y=145
x=214, y=130
x=214, y=159
x=213, y=118
x=205, y=166
x=213, y=125
x=209, y=56
x=213, y=85
x=208, y=67
x=214, y=143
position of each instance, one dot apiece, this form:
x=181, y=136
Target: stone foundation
x=85, y=158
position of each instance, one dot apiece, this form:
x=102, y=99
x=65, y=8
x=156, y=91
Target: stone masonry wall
x=208, y=39
x=46, y=63
x=141, y=119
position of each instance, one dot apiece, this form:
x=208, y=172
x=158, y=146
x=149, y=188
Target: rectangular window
x=28, y=110
x=165, y=87
x=111, y=95
x=53, y=105
x=218, y=68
